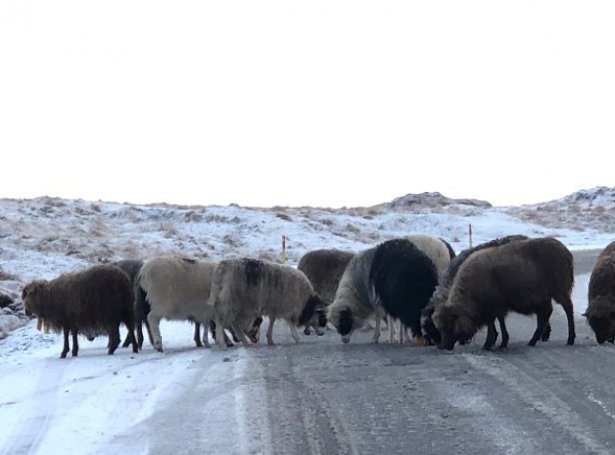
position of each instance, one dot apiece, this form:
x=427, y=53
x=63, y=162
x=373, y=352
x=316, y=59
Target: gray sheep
x=244, y=290
x=521, y=276
x=601, y=296
x=97, y=299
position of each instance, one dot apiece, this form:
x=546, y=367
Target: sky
x=321, y=103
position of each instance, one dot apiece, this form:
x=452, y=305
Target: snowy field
x=89, y=404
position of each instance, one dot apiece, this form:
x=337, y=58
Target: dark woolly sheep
x=395, y=278
x=601, y=296
x=446, y=281
x=521, y=276
x=131, y=267
x=97, y=299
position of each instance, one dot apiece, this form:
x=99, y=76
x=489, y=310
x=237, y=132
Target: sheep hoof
x=159, y=349
x=420, y=341
x=532, y=343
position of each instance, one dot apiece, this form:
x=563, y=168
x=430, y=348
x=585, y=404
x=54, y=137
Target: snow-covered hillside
x=44, y=237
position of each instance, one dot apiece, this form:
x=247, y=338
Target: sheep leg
x=504, y=343
x=406, y=336
x=492, y=335
x=65, y=349
x=567, y=304
x=228, y=341
x=219, y=338
x=391, y=327
x=154, y=330
x=376, y=330
x=206, y=335
x=131, y=336
x=242, y=336
x=127, y=341
x=75, y=350
x=546, y=333
x=270, y=331
x=542, y=320
x=401, y=332
x=139, y=325
x=293, y=332
x=114, y=338
x=197, y=335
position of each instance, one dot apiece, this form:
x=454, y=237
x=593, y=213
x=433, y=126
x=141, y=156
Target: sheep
x=394, y=278
x=243, y=290
x=446, y=280
x=521, y=276
x=96, y=299
x=441, y=253
x=600, y=312
x=174, y=288
x=324, y=268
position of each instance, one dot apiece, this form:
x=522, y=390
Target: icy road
x=317, y=397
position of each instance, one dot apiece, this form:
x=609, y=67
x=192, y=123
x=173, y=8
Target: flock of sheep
x=417, y=280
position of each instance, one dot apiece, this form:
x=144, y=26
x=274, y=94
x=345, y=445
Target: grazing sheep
x=394, y=278
x=440, y=295
x=174, y=288
x=601, y=296
x=243, y=290
x=97, y=299
x=521, y=276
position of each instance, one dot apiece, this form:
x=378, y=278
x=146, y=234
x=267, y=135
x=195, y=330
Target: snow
x=88, y=404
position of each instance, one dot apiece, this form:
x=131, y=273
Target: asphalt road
x=323, y=397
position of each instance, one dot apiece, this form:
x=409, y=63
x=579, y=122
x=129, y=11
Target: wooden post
x=283, y=256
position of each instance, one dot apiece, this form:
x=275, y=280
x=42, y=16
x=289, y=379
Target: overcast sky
x=323, y=103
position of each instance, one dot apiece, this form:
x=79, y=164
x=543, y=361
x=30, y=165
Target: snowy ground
x=188, y=397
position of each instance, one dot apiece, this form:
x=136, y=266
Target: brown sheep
x=521, y=276
x=96, y=299
x=601, y=296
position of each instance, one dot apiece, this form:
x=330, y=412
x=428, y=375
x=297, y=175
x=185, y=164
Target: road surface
x=323, y=397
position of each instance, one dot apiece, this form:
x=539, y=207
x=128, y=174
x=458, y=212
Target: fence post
x=470, y=233
x=283, y=255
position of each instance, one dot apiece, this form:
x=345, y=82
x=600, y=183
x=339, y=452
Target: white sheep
x=174, y=288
